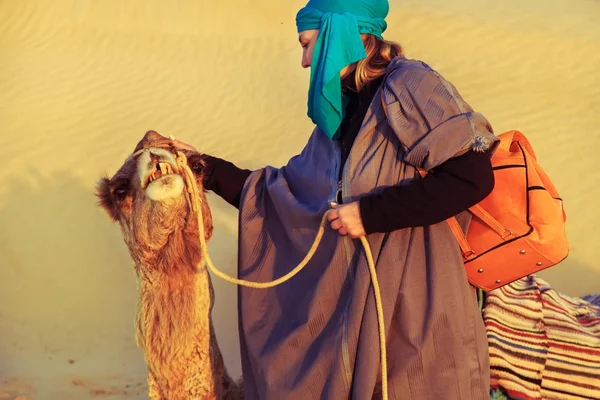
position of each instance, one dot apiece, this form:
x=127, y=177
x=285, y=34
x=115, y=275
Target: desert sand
x=81, y=81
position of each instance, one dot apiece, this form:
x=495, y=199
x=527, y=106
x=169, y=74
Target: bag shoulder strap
x=490, y=221
x=457, y=231
x=480, y=213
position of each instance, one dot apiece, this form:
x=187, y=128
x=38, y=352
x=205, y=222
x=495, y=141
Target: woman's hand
x=346, y=220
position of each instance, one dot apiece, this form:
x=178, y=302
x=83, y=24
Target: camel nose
x=154, y=158
x=153, y=139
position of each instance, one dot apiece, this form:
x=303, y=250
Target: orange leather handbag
x=519, y=229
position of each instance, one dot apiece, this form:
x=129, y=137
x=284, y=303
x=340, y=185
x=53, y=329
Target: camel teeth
x=165, y=168
x=161, y=169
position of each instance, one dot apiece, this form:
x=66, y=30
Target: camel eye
x=121, y=191
x=197, y=167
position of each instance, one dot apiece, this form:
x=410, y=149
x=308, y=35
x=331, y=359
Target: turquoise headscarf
x=338, y=45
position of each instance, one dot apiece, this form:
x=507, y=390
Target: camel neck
x=174, y=319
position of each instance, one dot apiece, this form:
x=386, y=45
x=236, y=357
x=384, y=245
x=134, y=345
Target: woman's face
x=307, y=41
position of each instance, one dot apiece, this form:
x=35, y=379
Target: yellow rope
x=194, y=200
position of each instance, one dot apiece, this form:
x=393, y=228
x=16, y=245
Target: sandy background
x=81, y=81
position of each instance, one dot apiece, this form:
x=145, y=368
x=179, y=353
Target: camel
x=174, y=327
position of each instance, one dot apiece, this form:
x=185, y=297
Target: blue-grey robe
x=316, y=336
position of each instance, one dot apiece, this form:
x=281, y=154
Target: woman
x=379, y=117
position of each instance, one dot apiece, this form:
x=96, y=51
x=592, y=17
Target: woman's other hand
x=346, y=220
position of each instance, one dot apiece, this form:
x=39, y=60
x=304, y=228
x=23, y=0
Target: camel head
x=147, y=197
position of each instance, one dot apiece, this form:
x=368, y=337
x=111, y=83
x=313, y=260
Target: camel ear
x=105, y=199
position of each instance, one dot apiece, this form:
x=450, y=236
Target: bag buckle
x=469, y=254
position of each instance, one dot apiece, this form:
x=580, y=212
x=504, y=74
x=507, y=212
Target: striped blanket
x=542, y=344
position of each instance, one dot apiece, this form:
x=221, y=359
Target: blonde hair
x=379, y=54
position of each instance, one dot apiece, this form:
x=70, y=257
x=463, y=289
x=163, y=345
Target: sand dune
x=81, y=81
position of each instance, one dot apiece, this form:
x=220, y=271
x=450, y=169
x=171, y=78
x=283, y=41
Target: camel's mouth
x=163, y=170
x=159, y=175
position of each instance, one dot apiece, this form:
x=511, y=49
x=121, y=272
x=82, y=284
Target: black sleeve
x=446, y=191
x=225, y=179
